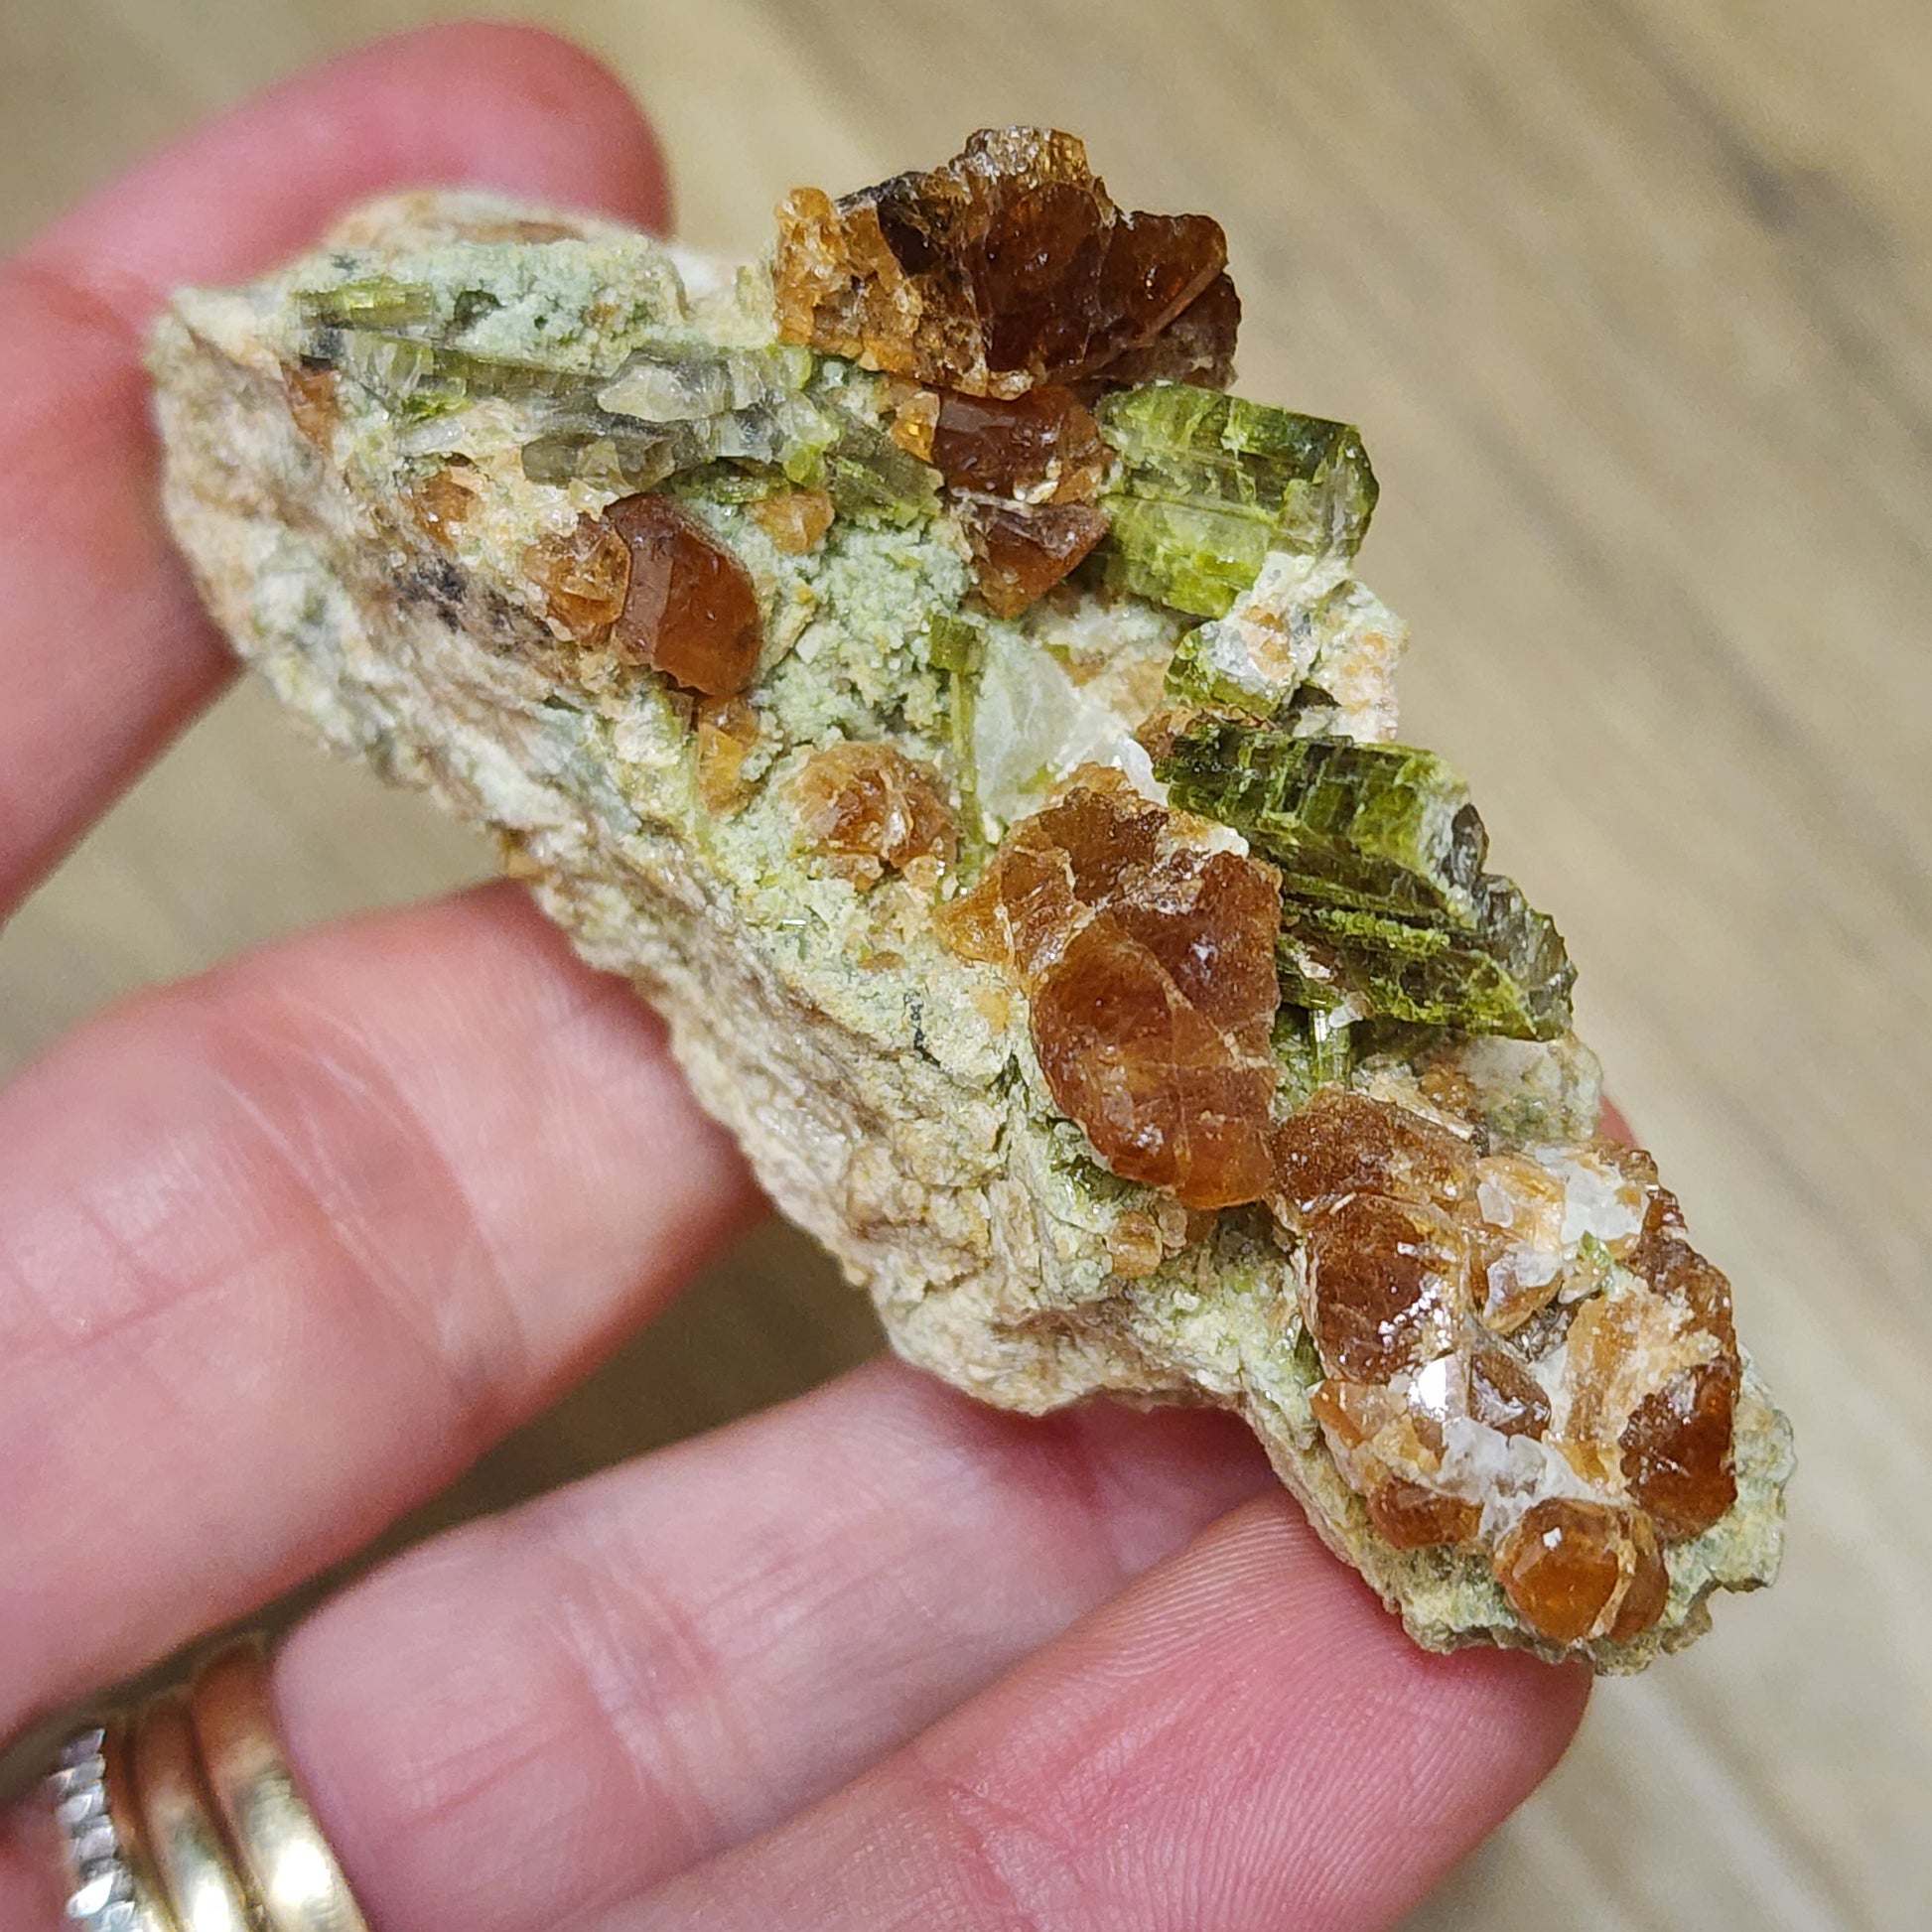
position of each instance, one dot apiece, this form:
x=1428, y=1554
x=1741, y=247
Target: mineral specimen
x=904, y=661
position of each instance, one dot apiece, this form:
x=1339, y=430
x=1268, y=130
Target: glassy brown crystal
x=1345, y=1143
x=1043, y=447
x=440, y=502
x=1677, y=1450
x=1198, y=345
x=1412, y=1517
x=1148, y=962
x=1563, y=1568
x=314, y=401
x=1386, y=1281
x=1021, y=552
x=690, y=609
x=728, y=730
x=583, y=573
x=794, y=519
x=874, y=808
x=1504, y=1395
x=1008, y=265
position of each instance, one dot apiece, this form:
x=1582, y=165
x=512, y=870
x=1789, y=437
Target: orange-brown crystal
x=728, y=730
x=794, y=519
x=1412, y=1517
x=1569, y=1567
x=1007, y=266
x=1386, y=1282
x=691, y=609
x=1043, y=447
x=1504, y=1395
x=1150, y=965
x=314, y=401
x=874, y=809
x=583, y=573
x=1019, y=551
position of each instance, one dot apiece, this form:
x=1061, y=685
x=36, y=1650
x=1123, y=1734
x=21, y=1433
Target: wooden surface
x=1633, y=301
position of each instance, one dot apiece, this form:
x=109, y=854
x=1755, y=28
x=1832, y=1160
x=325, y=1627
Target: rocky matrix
x=906, y=660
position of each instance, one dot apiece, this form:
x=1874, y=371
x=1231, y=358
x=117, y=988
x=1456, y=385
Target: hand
x=283, y=1248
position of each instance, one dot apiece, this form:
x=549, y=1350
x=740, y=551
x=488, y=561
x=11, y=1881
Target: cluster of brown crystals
x=1148, y=957
x=1008, y=283
x=1521, y=1354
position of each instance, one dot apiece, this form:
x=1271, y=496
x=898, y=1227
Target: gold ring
x=184, y=1840
x=130, y=1834
x=290, y=1868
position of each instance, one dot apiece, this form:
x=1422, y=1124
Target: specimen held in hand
x=906, y=659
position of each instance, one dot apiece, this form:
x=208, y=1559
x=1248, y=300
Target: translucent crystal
x=1021, y=550
x=1210, y=483
x=1004, y=267
x=1043, y=447
x=689, y=611
x=874, y=808
x=1571, y=1567
x=1386, y=1281
x=794, y=519
x=584, y=575
x=1147, y=961
x=1389, y=911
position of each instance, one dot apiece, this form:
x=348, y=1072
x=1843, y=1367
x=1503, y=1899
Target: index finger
x=104, y=652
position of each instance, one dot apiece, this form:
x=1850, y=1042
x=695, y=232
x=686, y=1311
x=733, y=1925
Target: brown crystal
x=314, y=401
x=1562, y=1567
x=1019, y=552
x=728, y=730
x=1007, y=266
x=1646, y=1586
x=1412, y=1517
x=583, y=573
x=1345, y=1143
x=691, y=609
x=1196, y=347
x=1677, y=1450
x=1504, y=1395
x=794, y=519
x=1385, y=1283
x=874, y=809
x=1150, y=967
x=1043, y=447
x=440, y=503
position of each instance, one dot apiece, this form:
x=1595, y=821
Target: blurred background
x=1633, y=302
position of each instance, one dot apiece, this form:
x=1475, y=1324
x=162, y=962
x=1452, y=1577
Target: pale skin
x=283, y=1248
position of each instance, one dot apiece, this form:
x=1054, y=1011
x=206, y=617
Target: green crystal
x=681, y=383
x=1387, y=911
x=1311, y=1052
x=1194, y=681
x=1380, y=826
x=374, y=302
x=1209, y=483
x=867, y=474
x=417, y=378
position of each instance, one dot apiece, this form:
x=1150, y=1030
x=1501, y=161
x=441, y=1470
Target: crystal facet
x=689, y=608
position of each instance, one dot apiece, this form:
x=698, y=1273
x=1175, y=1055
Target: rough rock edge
x=991, y=1272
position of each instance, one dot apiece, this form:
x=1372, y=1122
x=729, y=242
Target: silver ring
x=108, y=1886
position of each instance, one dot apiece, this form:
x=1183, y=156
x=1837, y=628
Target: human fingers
x=540, y=1715
x=103, y=648
x=1242, y=1741
x=283, y=1248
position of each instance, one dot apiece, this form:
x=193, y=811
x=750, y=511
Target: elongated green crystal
x=1387, y=911
x=1209, y=483
x=1384, y=827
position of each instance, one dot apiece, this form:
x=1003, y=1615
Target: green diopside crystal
x=1211, y=483
x=1387, y=911
x=1380, y=826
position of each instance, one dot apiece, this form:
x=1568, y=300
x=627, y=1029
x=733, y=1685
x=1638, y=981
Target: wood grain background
x=1633, y=301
